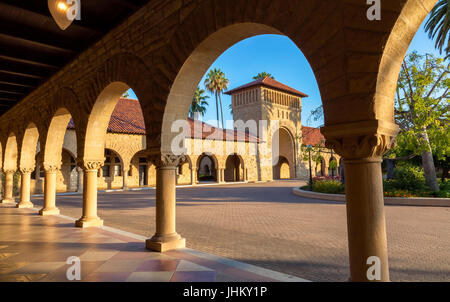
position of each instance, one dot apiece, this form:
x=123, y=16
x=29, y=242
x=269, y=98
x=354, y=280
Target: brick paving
x=265, y=225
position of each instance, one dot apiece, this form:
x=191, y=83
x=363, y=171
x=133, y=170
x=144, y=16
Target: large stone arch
x=111, y=80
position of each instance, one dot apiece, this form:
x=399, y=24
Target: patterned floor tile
x=119, y=266
x=150, y=277
x=39, y=268
x=199, y=276
x=158, y=265
x=187, y=266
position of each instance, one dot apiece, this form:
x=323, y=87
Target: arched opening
x=142, y=173
x=110, y=175
x=207, y=168
x=68, y=175
x=184, y=172
x=283, y=154
x=234, y=168
x=282, y=169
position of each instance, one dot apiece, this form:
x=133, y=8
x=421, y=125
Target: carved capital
x=91, y=164
x=51, y=167
x=165, y=160
x=9, y=171
x=367, y=139
x=26, y=170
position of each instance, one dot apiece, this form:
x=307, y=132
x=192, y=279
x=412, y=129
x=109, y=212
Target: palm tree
x=263, y=75
x=199, y=103
x=216, y=83
x=439, y=24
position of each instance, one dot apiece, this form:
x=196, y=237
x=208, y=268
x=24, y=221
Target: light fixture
x=64, y=11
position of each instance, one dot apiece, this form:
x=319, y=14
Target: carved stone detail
x=368, y=139
x=164, y=160
x=51, y=168
x=91, y=165
x=26, y=170
x=9, y=171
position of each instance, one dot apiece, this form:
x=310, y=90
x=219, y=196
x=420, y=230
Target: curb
x=394, y=201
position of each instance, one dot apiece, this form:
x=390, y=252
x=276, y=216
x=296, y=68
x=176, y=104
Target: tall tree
x=421, y=109
x=199, y=103
x=438, y=26
x=263, y=75
x=216, y=83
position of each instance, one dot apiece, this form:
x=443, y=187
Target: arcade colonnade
x=162, y=52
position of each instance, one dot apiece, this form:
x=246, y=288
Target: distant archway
x=207, y=167
x=234, y=168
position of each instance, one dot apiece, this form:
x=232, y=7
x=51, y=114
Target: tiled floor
x=36, y=248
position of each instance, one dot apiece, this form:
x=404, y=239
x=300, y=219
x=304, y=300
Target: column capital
x=26, y=170
x=9, y=171
x=51, y=167
x=91, y=164
x=166, y=160
x=359, y=140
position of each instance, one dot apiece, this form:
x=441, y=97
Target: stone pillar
x=220, y=175
x=80, y=180
x=362, y=145
x=193, y=176
x=125, y=177
x=8, y=187
x=89, y=217
x=50, y=190
x=25, y=188
x=166, y=238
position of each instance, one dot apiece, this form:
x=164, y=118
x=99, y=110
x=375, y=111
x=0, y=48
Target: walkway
x=35, y=248
x=265, y=225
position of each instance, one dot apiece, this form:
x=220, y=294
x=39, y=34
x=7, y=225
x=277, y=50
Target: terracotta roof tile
x=312, y=136
x=271, y=83
x=127, y=118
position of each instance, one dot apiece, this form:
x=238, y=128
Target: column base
x=47, y=212
x=88, y=222
x=24, y=205
x=8, y=201
x=165, y=243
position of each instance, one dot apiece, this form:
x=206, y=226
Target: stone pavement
x=265, y=225
x=36, y=248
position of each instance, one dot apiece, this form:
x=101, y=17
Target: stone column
x=25, y=188
x=125, y=178
x=166, y=238
x=362, y=145
x=193, y=176
x=50, y=190
x=80, y=180
x=89, y=217
x=8, y=187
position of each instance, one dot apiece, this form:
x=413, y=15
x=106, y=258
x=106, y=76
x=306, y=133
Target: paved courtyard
x=265, y=225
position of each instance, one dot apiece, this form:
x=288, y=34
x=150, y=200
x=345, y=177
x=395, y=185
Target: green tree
x=126, y=94
x=199, y=103
x=216, y=83
x=421, y=111
x=438, y=26
x=263, y=75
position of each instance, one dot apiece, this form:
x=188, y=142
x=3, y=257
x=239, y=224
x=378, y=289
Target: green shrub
x=328, y=186
x=408, y=177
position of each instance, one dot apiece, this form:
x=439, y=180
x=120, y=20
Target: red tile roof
x=127, y=118
x=312, y=136
x=271, y=83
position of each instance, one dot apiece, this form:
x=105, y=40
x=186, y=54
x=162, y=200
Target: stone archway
x=207, y=168
x=283, y=154
x=282, y=169
x=234, y=168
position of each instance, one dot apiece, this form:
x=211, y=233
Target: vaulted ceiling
x=33, y=47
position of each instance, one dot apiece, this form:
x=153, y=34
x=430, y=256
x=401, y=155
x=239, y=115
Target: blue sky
x=279, y=56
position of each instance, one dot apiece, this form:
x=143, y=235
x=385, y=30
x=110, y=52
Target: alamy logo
x=374, y=11
x=374, y=270
x=73, y=11
x=74, y=271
